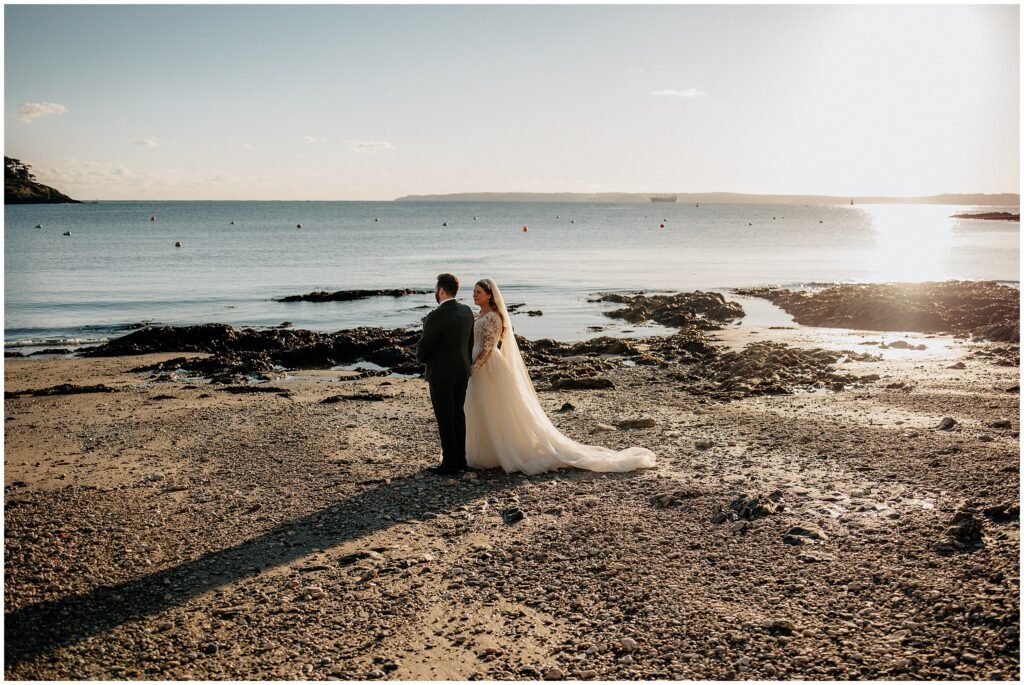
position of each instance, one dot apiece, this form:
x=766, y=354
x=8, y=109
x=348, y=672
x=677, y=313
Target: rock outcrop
x=983, y=309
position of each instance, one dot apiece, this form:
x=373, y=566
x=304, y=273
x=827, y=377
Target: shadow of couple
x=40, y=628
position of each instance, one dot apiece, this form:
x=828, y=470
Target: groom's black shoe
x=445, y=471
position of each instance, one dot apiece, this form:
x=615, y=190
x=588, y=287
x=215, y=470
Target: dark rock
x=902, y=345
x=964, y=532
x=947, y=424
x=512, y=514
x=1003, y=513
x=567, y=407
x=753, y=506
x=675, y=498
x=63, y=389
x=806, y=531
x=237, y=354
x=982, y=308
x=989, y=216
x=350, y=295
x=52, y=350
x=1001, y=423
x=778, y=627
x=582, y=384
x=253, y=389
x=358, y=397
x=350, y=559
x=704, y=311
x=767, y=368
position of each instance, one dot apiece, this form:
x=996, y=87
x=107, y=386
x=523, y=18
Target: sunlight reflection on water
x=912, y=242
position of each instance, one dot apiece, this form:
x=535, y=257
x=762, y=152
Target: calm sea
x=118, y=267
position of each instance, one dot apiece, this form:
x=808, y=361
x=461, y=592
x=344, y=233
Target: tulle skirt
x=507, y=427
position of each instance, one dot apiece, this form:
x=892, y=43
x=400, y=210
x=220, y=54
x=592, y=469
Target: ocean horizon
x=119, y=266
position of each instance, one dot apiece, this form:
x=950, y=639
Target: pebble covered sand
x=169, y=529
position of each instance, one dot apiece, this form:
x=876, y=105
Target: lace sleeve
x=491, y=333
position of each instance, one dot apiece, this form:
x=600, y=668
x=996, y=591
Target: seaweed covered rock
x=984, y=309
x=237, y=354
x=768, y=368
x=705, y=311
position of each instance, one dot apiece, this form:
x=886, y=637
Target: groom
x=446, y=347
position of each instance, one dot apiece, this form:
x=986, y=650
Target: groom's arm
x=431, y=330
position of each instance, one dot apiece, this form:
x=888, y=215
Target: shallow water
x=118, y=267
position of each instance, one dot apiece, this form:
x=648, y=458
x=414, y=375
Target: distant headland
x=998, y=199
x=21, y=187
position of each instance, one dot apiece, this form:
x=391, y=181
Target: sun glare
x=912, y=242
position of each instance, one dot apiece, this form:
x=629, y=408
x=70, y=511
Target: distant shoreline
x=997, y=199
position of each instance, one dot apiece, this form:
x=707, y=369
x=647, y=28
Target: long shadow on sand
x=41, y=628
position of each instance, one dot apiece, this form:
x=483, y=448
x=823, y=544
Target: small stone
x=512, y=515
x=603, y=428
x=211, y=648
x=1001, y=423
x=947, y=424
x=809, y=558
x=553, y=673
x=779, y=626
x=704, y=444
x=628, y=644
x=806, y=531
x=630, y=424
x=155, y=476
x=589, y=674
x=166, y=625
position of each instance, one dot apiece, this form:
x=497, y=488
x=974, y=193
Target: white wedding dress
x=505, y=424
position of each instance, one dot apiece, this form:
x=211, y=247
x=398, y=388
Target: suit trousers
x=449, y=401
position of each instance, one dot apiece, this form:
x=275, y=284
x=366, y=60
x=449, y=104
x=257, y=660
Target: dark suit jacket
x=446, y=346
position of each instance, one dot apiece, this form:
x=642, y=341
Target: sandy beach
x=174, y=529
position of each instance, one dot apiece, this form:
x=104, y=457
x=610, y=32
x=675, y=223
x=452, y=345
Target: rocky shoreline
x=246, y=355
x=822, y=508
x=982, y=309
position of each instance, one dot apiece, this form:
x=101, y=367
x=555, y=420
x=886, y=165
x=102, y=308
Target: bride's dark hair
x=486, y=287
x=490, y=294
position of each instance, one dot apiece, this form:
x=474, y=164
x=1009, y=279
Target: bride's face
x=480, y=296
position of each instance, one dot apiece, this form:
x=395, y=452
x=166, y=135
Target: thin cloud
x=688, y=93
x=247, y=146
x=366, y=146
x=148, y=141
x=30, y=111
x=636, y=71
x=312, y=141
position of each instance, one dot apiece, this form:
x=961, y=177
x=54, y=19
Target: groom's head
x=447, y=286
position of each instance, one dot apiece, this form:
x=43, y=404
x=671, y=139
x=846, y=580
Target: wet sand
x=172, y=530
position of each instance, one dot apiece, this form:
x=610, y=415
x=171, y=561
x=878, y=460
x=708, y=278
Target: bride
x=505, y=424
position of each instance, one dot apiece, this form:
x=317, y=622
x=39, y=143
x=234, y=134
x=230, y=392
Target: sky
x=325, y=102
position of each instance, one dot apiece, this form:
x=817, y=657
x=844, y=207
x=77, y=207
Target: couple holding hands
x=486, y=407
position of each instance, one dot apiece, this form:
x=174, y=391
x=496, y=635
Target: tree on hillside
x=15, y=169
